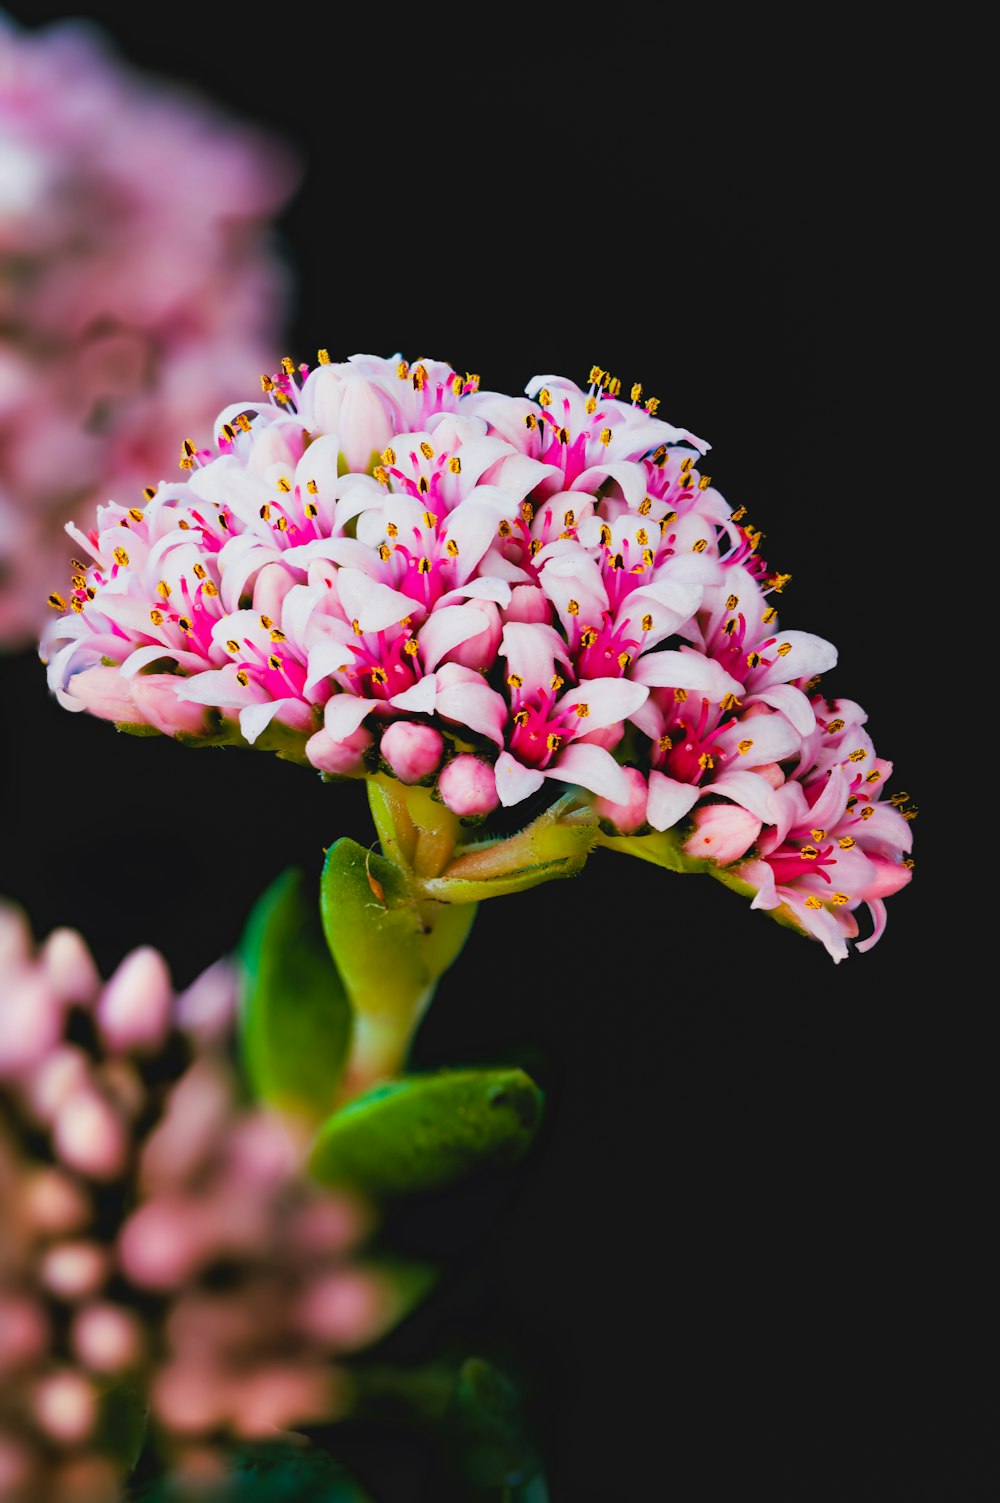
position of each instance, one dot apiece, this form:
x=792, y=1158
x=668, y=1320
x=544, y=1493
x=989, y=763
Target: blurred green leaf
x=264, y=1473
x=295, y=1019
x=122, y=1424
x=424, y=1132
x=488, y=1433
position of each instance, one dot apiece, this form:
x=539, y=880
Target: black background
x=752, y=1254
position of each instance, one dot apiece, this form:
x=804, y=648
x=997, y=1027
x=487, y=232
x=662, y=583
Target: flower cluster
x=158, y=1235
x=138, y=286
x=381, y=566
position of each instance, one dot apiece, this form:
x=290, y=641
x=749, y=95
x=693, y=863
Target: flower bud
x=479, y=651
x=631, y=816
x=135, y=1006
x=154, y=699
x=413, y=751
x=528, y=603
x=344, y=758
x=722, y=833
x=468, y=786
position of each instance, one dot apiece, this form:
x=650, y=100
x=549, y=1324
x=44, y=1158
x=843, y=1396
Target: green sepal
x=554, y=845
x=373, y=929
x=425, y=1132
x=662, y=848
x=295, y=1018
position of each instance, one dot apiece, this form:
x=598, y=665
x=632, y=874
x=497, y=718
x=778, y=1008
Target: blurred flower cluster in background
x=140, y=284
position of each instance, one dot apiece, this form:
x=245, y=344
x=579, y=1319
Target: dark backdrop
x=752, y=1255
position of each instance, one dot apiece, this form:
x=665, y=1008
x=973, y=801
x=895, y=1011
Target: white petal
x=686, y=670
x=792, y=703
x=447, y=627
x=375, y=606
x=256, y=718
x=669, y=800
x=808, y=655
x=344, y=713
x=419, y=698
x=750, y=791
x=592, y=767
x=514, y=781
x=607, y=700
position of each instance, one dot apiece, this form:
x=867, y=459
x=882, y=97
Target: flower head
x=381, y=568
x=158, y=1233
x=138, y=287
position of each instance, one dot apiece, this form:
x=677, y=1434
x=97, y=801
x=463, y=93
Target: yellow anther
x=311, y=509
x=813, y=902
x=284, y=485
x=647, y=622
x=840, y=898
x=644, y=507
x=909, y=862
x=680, y=695
x=121, y=557
x=535, y=546
x=647, y=558
x=753, y=659
x=423, y=485
x=642, y=537
x=384, y=551
x=769, y=615
x=858, y=755
x=243, y=423
x=739, y=514
x=274, y=661
x=163, y=589
x=527, y=511
x=590, y=406
x=265, y=512
x=430, y=518
x=149, y=492
x=873, y=776
x=809, y=853
x=391, y=529
x=456, y=385
x=424, y=566
x=356, y=624
x=379, y=675
x=556, y=682
x=135, y=513
x=778, y=581
x=455, y=465
x=553, y=742
x=76, y=605
x=835, y=725
x=868, y=811
x=277, y=635
x=411, y=647
x=706, y=762
x=323, y=357
x=402, y=370
x=730, y=626
x=208, y=588
x=504, y=530
x=389, y=456
x=605, y=436
x=636, y=392
x=907, y=813
x=515, y=680
x=451, y=548
x=704, y=482
x=426, y=449
x=899, y=798
x=573, y=607
x=232, y=645
x=282, y=524
x=665, y=744
x=530, y=420
x=521, y=717
x=588, y=636
x=266, y=383
x=743, y=747
x=700, y=545
x=562, y=435
x=818, y=834
x=846, y=842
x=381, y=474
x=784, y=648
x=156, y=617
x=569, y=517
x=545, y=397
x=57, y=602
x=243, y=677
x=288, y=365
x=652, y=405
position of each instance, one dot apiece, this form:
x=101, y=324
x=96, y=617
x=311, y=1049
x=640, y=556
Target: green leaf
x=373, y=929
x=425, y=1132
x=295, y=1019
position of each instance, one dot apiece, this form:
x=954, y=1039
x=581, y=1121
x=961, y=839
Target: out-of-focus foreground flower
x=381, y=570
x=160, y=1247
x=139, y=286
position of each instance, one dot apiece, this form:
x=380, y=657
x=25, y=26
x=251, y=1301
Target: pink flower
x=139, y=286
x=118, y=1098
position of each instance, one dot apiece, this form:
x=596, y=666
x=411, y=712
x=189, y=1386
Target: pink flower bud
x=103, y=692
x=30, y=1022
x=345, y=1309
x=69, y=966
x=64, y=1071
x=106, y=1338
x=412, y=751
x=723, y=832
x=468, y=785
x=65, y=1405
x=364, y=428
x=629, y=817
x=607, y=736
x=479, y=651
x=134, y=1009
x=90, y=1136
x=24, y=1332
x=280, y=443
x=154, y=696
x=270, y=588
x=344, y=758
x=528, y=603
x=55, y=1203
x=73, y=1270
x=162, y=1242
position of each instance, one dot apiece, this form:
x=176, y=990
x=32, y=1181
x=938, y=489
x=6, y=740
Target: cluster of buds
x=382, y=569
x=139, y=285
x=160, y=1243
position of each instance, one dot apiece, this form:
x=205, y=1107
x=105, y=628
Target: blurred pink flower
x=157, y=1230
x=139, y=286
